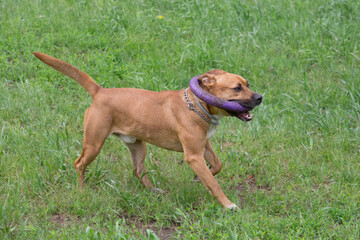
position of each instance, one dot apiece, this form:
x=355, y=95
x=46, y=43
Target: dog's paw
x=196, y=179
x=233, y=207
x=157, y=190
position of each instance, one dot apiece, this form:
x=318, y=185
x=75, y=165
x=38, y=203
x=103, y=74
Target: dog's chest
x=211, y=131
x=213, y=127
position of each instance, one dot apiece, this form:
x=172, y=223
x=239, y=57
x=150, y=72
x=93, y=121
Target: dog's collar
x=212, y=121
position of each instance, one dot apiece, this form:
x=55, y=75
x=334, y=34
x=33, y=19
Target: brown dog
x=161, y=118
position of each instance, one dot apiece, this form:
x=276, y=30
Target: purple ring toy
x=213, y=100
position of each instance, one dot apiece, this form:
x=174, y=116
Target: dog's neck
x=213, y=120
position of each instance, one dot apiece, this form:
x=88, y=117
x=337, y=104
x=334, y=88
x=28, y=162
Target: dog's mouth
x=244, y=116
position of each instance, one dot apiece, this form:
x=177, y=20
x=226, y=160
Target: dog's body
x=161, y=118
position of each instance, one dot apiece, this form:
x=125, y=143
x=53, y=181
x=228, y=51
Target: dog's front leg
x=194, y=156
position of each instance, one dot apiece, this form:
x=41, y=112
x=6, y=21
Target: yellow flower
x=160, y=17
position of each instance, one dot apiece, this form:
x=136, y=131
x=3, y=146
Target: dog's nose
x=258, y=98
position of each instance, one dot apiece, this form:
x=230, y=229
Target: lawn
x=294, y=170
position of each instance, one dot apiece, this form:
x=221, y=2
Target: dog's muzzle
x=246, y=116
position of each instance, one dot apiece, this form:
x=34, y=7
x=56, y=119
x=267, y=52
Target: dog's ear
x=207, y=80
x=216, y=72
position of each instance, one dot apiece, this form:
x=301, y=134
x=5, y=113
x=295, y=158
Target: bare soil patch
x=164, y=233
x=62, y=220
x=249, y=184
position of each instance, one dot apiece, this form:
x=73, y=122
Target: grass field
x=294, y=169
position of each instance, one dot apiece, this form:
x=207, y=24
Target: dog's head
x=230, y=87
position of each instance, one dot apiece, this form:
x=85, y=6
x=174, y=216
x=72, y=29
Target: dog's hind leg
x=138, y=152
x=87, y=155
x=95, y=133
x=212, y=159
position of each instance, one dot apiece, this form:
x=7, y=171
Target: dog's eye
x=238, y=88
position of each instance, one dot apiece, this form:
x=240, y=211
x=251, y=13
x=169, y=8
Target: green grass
x=294, y=169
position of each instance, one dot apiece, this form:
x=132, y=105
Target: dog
x=163, y=119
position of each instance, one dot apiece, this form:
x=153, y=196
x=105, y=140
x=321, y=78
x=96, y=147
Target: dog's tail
x=82, y=78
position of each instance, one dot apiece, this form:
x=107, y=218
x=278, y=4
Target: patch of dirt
x=164, y=233
x=226, y=144
x=325, y=184
x=11, y=84
x=250, y=183
x=61, y=220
